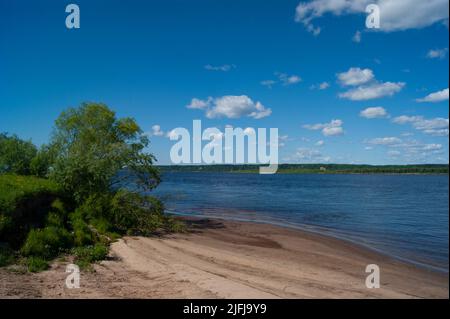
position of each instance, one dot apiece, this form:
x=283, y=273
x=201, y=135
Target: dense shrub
x=134, y=214
x=25, y=202
x=86, y=255
x=47, y=242
x=36, y=264
x=123, y=212
x=82, y=234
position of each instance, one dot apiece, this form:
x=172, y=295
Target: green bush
x=36, y=264
x=86, y=255
x=47, y=242
x=82, y=234
x=174, y=225
x=134, y=214
x=25, y=202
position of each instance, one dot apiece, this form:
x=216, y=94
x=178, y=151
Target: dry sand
x=218, y=259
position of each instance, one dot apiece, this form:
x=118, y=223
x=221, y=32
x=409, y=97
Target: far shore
x=228, y=259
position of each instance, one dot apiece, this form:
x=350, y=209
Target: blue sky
x=337, y=92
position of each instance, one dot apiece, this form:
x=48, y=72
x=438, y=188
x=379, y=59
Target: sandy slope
x=233, y=260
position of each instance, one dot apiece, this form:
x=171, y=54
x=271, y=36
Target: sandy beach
x=223, y=259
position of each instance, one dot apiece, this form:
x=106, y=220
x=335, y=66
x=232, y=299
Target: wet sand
x=223, y=259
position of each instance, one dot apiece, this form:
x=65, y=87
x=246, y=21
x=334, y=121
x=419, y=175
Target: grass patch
x=85, y=256
x=36, y=264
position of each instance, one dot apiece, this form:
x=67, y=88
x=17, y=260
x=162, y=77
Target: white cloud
x=437, y=53
x=231, y=106
x=320, y=86
x=199, y=104
x=284, y=78
x=435, y=97
x=324, y=85
x=357, y=37
x=355, y=76
x=395, y=15
x=415, y=151
x=320, y=143
x=287, y=79
x=332, y=128
x=432, y=147
x=373, y=112
x=171, y=134
x=311, y=156
x=366, y=87
x=282, y=139
x=223, y=68
x=333, y=131
x=268, y=83
x=373, y=91
x=156, y=130
x=384, y=141
x=292, y=79
x=437, y=126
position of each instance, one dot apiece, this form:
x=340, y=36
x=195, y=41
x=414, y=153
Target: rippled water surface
x=405, y=216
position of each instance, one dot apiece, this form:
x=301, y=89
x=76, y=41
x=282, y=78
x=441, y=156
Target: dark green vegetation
x=68, y=197
x=315, y=169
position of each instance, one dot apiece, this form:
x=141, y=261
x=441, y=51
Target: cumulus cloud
x=283, y=78
x=437, y=53
x=437, y=126
x=230, y=106
x=416, y=151
x=395, y=15
x=373, y=91
x=156, y=130
x=365, y=86
x=373, y=112
x=438, y=96
x=410, y=150
x=223, y=68
x=332, y=128
x=199, y=104
x=320, y=86
x=355, y=76
x=287, y=79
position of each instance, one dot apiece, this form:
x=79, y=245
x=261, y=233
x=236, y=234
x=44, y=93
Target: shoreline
x=227, y=259
x=315, y=230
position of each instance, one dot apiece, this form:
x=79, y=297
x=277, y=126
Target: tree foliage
x=92, y=146
x=16, y=155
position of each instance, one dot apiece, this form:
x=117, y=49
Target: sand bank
x=221, y=259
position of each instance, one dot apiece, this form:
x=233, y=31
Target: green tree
x=93, y=146
x=42, y=163
x=16, y=155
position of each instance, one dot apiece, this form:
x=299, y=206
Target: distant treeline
x=315, y=169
